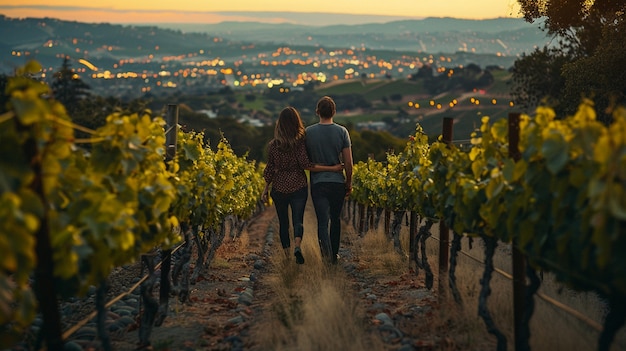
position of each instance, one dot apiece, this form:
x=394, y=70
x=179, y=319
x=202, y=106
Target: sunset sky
x=213, y=11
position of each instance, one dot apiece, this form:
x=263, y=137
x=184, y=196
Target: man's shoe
x=299, y=257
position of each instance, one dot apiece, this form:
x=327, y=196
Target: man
x=329, y=143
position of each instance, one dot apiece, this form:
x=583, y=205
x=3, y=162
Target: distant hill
x=317, y=19
x=508, y=36
x=511, y=36
x=236, y=50
x=47, y=39
x=426, y=25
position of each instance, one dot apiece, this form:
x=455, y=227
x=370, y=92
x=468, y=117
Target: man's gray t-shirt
x=324, y=143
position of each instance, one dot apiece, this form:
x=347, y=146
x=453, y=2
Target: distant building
x=251, y=121
x=372, y=125
x=208, y=113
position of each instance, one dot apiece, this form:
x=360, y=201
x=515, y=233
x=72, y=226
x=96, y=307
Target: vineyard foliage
x=562, y=202
x=102, y=205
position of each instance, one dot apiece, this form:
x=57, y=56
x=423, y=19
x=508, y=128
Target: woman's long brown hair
x=289, y=129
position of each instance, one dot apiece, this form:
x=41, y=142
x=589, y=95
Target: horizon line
x=91, y=15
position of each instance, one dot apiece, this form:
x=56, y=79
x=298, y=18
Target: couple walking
x=324, y=149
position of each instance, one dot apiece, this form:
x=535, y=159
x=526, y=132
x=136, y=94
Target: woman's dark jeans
x=282, y=202
x=328, y=201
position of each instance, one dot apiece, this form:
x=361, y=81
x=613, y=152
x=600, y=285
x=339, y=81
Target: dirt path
x=253, y=299
x=216, y=315
x=233, y=306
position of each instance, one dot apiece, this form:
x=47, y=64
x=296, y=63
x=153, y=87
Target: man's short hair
x=326, y=107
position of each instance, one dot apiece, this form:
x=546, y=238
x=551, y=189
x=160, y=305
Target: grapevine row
x=561, y=201
x=72, y=210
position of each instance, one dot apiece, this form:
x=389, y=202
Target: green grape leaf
x=556, y=151
x=508, y=170
x=617, y=202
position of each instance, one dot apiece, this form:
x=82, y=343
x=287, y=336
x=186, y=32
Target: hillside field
x=415, y=105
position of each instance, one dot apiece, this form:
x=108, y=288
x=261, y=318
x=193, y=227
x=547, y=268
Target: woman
x=286, y=161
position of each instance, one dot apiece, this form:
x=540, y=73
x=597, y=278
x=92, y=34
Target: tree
x=68, y=88
x=537, y=79
x=395, y=97
x=426, y=72
x=587, y=61
x=472, y=70
x=4, y=98
x=579, y=23
x=485, y=79
x=600, y=76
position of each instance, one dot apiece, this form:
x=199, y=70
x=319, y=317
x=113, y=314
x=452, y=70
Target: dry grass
x=230, y=247
x=378, y=254
x=551, y=328
x=313, y=308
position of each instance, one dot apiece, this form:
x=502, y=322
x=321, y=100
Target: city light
x=274, y=68
x=88, y=64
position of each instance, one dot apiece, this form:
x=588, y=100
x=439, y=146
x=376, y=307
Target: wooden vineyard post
x=354, y=214
x=387, y=222
x=412, y=238
x=364, y=211
x=444, y=231
x=45, y=287
x=171, y=134
x=362, y=218
x=519, y=261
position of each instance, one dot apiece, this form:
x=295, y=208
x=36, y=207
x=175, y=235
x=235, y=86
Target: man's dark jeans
x=328, y=201
x=282, y=202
